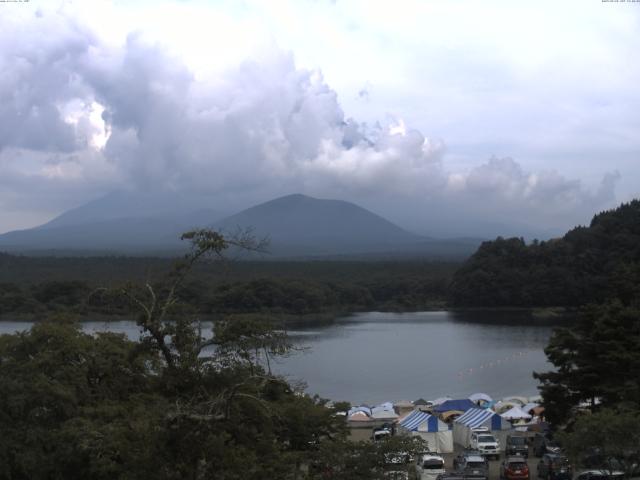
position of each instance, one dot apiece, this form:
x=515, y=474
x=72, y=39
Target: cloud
x=85, y=116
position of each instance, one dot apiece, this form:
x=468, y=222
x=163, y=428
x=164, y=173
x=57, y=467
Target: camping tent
x=520, y=400
x=478, y=418
x=359, y=416
x=383, y=414
x=440, y=400
x=530, y=406
x=516, y=413
x=503, y=405
x=362, y=408
x=461, y=405
x=403, y=407
x=434, y=431
x=384, y=411
x=480, y=398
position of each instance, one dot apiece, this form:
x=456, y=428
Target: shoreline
x=537, y=314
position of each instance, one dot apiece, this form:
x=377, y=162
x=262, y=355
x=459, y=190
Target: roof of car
x=431, y=456
x=515, y=458
x=473, y=453
x=602, y=472
x=474, y=458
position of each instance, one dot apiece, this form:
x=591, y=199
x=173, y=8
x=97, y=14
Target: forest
x=589, y=264
x=47, y=285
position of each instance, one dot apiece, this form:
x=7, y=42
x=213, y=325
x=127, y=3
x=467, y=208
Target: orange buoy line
x=492, y=363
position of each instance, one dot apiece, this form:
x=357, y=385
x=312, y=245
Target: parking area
x=494, y=465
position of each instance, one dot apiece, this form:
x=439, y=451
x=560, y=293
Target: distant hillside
x=168, y=206
x=298, y=226
x=588, y=264
x=121, y=222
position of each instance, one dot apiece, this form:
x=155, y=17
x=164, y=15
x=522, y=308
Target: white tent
x=530, y=406
x=431, y=429
x=384, y=411
x=383, y=414
x=519, y=400
x=480, y=397
x=516, y=413
x=477, y=418
x=504, y=405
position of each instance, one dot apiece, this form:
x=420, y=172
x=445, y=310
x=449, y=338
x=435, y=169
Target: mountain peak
x=319, y=225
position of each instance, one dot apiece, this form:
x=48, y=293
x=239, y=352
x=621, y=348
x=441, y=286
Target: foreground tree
x=608, y=439
x=177, y=404
x=597, y=363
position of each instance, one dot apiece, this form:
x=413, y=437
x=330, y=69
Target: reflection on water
x=374, y=357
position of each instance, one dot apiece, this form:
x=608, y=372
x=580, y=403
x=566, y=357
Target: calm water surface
x=375, y=357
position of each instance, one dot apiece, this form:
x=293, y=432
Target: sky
x=446, y=117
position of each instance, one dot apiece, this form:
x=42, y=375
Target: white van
x=429, y=466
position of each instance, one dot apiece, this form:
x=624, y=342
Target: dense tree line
x=268, y=294
x=588, y=264
x=592, y=395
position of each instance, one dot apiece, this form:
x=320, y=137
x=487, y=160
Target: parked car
x=543, y=444
x=554, y=466
x=396, y=474
x=517, y=445
x=429, y=466
x=601, y=475
x=514, y=468
x=595, y=459
x=471, y=466
x=380, y=433
x=450, y=476
x=485, y=443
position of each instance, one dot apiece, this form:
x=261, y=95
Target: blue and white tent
x=479, y=418
x=430, y=428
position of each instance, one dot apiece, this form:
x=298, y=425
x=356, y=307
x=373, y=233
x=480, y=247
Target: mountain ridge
x=298, y=226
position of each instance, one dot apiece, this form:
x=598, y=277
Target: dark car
x=553, y=466
x=517, y=445
x=471, y=466
x=543, y=444
x=514, y=468
x=601, y=475
x=450, y=476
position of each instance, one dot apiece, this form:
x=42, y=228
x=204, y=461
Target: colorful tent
x=461, y=405
x=434, y=431
x=475, y=418
x=440, y=400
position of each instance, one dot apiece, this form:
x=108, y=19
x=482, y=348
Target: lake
x=374, y=357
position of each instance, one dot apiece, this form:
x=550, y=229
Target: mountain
x=120, y=222
x=297, y=226
x=168, y=206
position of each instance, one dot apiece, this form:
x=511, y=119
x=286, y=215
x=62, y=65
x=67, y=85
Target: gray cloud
x=262, y=129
